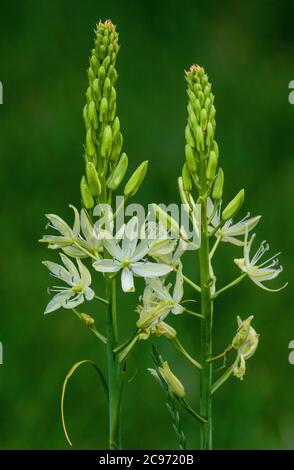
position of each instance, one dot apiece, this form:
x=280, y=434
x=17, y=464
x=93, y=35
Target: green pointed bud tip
x=101, y=74
x=217, y=191
x=189, y=137
x=93, y=179
x=187, y=182
x=203, y=119
x=118, y=173
x=234, y=206
x=90, y=147
x=117, y=146
x=87, y=197
x=115, y=127
x=211, y=166
x=103, y=109
x=199, y=139
x=106, y=145
x=92, y=113
x=106, y=87
x=136, y=179
x=190, y=159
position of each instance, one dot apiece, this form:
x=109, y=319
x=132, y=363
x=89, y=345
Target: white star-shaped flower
x=129, y=258
x=78, y=280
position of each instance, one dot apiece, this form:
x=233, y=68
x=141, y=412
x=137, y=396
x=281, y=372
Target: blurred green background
x=248, y=53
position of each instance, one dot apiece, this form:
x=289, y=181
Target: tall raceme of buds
x=200, y=129
x=103, y=136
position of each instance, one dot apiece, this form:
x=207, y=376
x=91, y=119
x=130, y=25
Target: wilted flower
x=230, y=231
x=175, y=386
x=259, y=273
x=67, y=235
x=246, y=342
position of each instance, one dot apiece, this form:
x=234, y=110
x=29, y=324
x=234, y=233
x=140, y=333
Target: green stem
x=219, y=382
x=114, y=382
x=195, y=314
x=100, y=299
x=192, y=284
x=182, y=350
x=231, y=284
x=207, y=321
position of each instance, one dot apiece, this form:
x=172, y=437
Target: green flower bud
x=118, y=173
x=89, y=94
x=93, y=179
x=217, y=191
x=96, y=89
x=85, y=116
x=90, y=147
x=136, y=179
x=175, y=386
x=190, y=159
x=102, y=52
x=115, y=128
x=182, y=193
x=189, y=137
x=209, y=134
x=187, y=182
x=203, y=119
x=106, y=87
x=87, y=197
x=211, y=165
x=215, y=148
x=103, y=110
x=117, y=146
x=234, y=206
x=91, y=75
x=193, y=121
x=112, y=97
x=92, y=113
x=101, y=74
x=87, y=319
x=106, y=145
x=106, y=62
x=199, y=139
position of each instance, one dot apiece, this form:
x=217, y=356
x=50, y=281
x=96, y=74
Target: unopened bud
x=136, y=179
x=106, y=145
x=189, y=137
x=199, y=139
x=174, y=384
x=93, y=179
x=87, y=319
x=217, y=191
x=87, y=197
x=115, y=128
x=92, y=113
x=106, y=87
x=234, y=206
x=118, y=173
x=187, y=182
x=203, y=119
x=190, y=159
x=211, y=166
x=163, y=329
x=90, y=147
x=103, y=110
x=117, y=146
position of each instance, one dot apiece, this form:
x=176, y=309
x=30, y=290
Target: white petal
x=141, y=250
x=107, y=266
x=58, y=271
x=75, y=277
x=74, y=252
x=72, y=303
x=113, y=249
x=150, y=269
x=130, y=238
x=178, y=309
x=127, y=280
x=76, y=226
x=89, y=293
x=56, y=301
x=85, y=274
x=59, y=224
x=178, y=289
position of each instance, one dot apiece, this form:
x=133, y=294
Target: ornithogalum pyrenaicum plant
x=106, y=243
